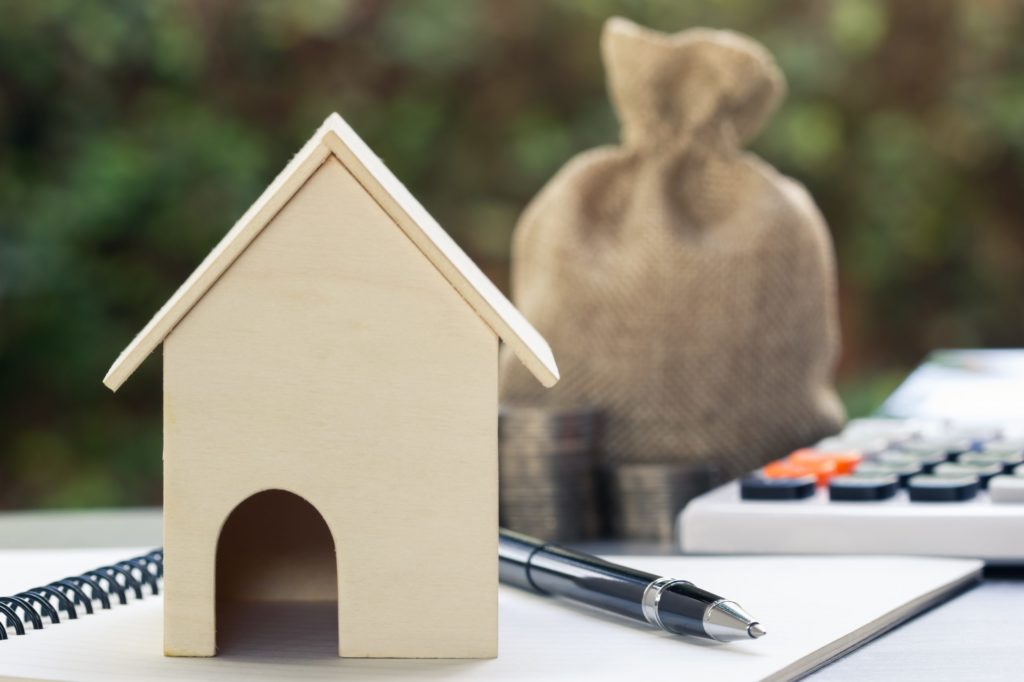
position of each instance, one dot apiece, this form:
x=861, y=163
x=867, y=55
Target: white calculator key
x=1006, y=489
x=864, y=445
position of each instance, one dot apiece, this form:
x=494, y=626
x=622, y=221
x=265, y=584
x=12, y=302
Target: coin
x=546, y=464
x=645, y=498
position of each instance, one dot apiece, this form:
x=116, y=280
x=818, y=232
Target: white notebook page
x=814, y=608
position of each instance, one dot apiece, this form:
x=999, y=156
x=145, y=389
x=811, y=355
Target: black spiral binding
x=38, y=607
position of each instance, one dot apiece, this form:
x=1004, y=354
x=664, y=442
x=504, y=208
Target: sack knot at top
x=680, y=87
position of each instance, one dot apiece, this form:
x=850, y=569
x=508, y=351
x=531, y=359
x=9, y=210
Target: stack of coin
x=644, y=499
x=547, y=462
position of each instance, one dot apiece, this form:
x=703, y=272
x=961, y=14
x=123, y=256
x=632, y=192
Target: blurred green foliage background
x=133, y=134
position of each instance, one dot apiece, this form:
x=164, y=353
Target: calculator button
x=863, y=488
x=928, y=488
x=950, y=447
x=1002, y=489
x=976, y=435
x=865, y=445
x=928, y=457
x=890, y=429
x=984, y=472
x=783, y=468
x=845, y=460
x=759, y=487
x=897, y=458
x=1004, y=445
x=1008, y=459
x=903, y=471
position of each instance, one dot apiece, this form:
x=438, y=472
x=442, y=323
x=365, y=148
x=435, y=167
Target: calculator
x=897, y=483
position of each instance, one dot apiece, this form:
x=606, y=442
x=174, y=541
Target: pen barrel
x=514, y=552
x=589, y=580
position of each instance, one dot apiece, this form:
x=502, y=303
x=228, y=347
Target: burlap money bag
x=684, y=285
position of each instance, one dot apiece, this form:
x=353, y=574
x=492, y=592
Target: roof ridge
x=335, y=137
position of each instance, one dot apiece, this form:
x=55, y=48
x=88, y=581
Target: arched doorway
x=277, y=586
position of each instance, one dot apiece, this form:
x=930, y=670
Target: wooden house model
x=330, y=416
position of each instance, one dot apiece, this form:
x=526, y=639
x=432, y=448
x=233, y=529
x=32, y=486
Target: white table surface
x=978, y=635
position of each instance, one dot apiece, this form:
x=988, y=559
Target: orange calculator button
x=822, y=470
x=845, y=462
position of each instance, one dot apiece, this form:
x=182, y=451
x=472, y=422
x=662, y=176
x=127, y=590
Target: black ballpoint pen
x=672, y=605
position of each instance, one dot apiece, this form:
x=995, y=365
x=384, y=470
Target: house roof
x=336, y=138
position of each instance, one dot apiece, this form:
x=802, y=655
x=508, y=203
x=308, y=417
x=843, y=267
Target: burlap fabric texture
x=685, y=286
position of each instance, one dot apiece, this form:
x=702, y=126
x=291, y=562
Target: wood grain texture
x=492, y=305
x=334, y=361
x=335, y=136
x=217, y=262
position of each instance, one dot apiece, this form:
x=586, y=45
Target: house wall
x=332, y=360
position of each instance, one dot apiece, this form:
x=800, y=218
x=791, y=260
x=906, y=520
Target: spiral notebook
x=815, y=609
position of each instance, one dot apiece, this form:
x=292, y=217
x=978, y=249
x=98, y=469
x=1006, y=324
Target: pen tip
x=755, y=630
